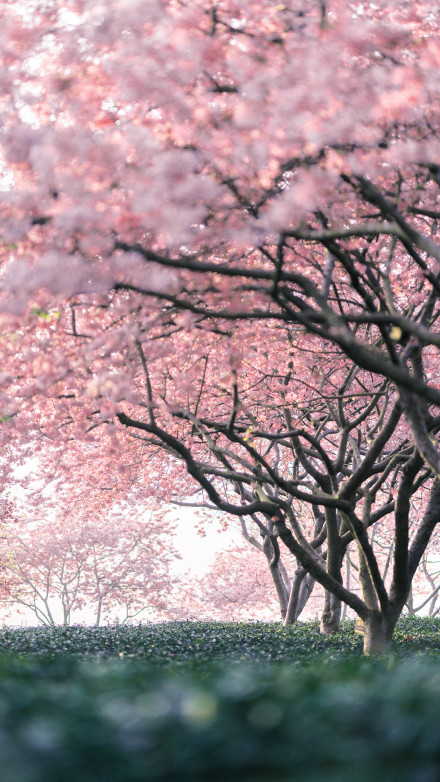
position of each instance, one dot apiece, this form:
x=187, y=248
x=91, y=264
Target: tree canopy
x=219, y=228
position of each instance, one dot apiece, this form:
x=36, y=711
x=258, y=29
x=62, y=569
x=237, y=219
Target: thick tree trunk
x=331, y=615
x=377, y=635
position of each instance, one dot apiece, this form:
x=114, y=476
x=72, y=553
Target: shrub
x=208, y=702
x=200, y=643
x=82, y=722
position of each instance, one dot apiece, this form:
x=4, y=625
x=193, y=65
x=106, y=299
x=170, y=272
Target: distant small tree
x=237, y=587
x=110, y=567
x=273, y=572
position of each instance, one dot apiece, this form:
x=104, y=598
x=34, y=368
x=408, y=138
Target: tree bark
x=304, y=594
x=277, y=578
x=302, y=587
x=331, y=615
x=377, y=634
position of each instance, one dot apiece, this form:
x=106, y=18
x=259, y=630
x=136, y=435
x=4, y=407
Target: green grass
x=218, y=702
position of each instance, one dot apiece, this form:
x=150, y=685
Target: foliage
x=71, y=720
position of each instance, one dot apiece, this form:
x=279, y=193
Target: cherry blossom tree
x=238, y=586
x=260, y=580
x=58, y=567
x=220, y=240
x=293, y=585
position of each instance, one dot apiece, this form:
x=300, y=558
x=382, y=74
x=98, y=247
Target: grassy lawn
x=201, y=702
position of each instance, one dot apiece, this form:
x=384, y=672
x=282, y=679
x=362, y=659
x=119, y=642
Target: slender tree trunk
x=277, y=577
x=280, y=590
x=347, y=581
x=302, y=587
x=98, y=614
x=291, y=613
x=410, y=602
x=331, y=614
x=304, y=594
